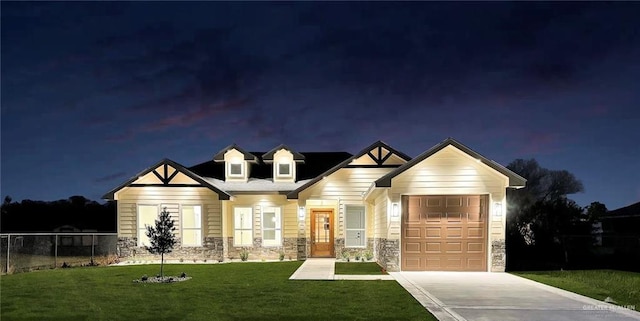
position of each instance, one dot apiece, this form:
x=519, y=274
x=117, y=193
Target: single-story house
x=442, y=210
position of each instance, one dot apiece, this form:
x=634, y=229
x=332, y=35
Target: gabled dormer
x=284, y=161
x=237, y=163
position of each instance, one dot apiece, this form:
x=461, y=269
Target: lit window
x=355, y=226
x=284, y=169
x=191, y=225
x=242, y=226
x=147, y=215
x=235, y=169
x=271, y=226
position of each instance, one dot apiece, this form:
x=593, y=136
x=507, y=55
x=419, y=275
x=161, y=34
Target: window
x=242, y=226
x=147, y=215
x=355, y=226
x=271, y=226
x=235, y=169
x=191, y=225
x=284, y=169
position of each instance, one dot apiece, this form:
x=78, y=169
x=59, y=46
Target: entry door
x=322, y=233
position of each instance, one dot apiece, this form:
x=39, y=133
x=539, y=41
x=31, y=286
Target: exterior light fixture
x=301, y=213
x=497, y=211
x=395, y=210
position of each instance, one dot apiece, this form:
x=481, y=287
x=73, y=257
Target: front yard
x=239, y=291
x=623, y=287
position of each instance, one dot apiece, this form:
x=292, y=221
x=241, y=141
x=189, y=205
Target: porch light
x=395, y=210
x=497, y=211
x=301, y=213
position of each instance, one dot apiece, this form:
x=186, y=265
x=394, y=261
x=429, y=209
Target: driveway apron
x=502, y=296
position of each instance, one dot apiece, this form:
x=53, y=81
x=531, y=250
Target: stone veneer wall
x=388, y=253
x=258, y=252
x=211, y=249
x=340, y=248
x=498, y=256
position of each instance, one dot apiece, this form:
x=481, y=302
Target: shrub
x=357, y=256
x=368, y=255
x=244, y=255
x=281, y=257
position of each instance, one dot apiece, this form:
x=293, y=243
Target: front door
x=322, y=233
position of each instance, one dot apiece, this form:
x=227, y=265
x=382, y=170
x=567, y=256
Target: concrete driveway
x=502, y=296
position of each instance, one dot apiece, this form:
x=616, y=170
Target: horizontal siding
x=256, y=202
x=449, y=171
x=345, y=186
x=381, y=216
x=172, y=197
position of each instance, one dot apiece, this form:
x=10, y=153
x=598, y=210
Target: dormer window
x=284, y=169
x=235, y=169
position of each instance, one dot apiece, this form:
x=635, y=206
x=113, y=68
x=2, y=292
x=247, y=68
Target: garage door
x=444, y=233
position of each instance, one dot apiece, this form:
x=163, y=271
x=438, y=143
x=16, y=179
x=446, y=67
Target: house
x=442, y=210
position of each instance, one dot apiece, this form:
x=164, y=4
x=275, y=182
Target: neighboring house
x=624, y=221
x=442, y=210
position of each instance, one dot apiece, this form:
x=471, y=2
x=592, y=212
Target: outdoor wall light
x=497, y=211
x=395, y=210
x=301, y=213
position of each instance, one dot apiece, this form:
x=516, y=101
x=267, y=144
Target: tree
x=161, y=237
x=540, y=216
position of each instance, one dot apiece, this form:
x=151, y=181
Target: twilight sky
x=93, y=93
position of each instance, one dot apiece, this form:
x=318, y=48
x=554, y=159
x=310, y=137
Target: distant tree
x=595, y=211
x=161, y=237
x=540, y=216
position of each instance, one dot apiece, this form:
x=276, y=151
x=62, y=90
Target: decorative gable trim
x=219, y=157
x=345, y=164
x=165, y=176
x=268, y=156
x=515, y=180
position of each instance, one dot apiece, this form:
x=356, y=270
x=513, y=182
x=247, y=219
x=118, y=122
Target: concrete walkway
x=324, y=269
x=460, y=296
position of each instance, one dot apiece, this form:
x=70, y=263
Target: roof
x=268, y=156
x=632, y=210
x=255, y=185
x=515, y=180
x=315, y=163
x=223, y=195
x=294, y=194
x=219, y=157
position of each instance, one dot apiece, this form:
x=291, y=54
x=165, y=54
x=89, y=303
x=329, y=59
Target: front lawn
x=237, y=291
x=369, y=268
x=623, y=287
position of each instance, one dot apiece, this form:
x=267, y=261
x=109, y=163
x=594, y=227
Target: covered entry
x=444, y=233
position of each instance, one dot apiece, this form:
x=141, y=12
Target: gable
x=166, y=173
x=514, y=180
x=380, y=156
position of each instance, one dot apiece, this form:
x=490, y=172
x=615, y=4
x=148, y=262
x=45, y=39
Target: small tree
x=161, y=237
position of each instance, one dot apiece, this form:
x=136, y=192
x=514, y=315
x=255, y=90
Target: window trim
x=363, y=229
x=231, y=174
x=235, y=240
x=278, y=173
x=182, y=228
x=278, y=212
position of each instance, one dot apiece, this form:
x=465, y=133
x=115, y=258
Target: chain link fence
x=35, y=251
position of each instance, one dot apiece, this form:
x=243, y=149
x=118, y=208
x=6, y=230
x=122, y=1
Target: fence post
x=55, y=253
x=93, y=246
x=8, y=245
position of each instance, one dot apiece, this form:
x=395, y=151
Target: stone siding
x=341, y=249
x=498, y=256
x=212, y=249
x=387, y=253
x=257, y=252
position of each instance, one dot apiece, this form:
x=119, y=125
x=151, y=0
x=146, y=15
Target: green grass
x=237, y=291
x=358, y=268
x=623, y=287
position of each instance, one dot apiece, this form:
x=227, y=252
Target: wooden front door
x=322, y=233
